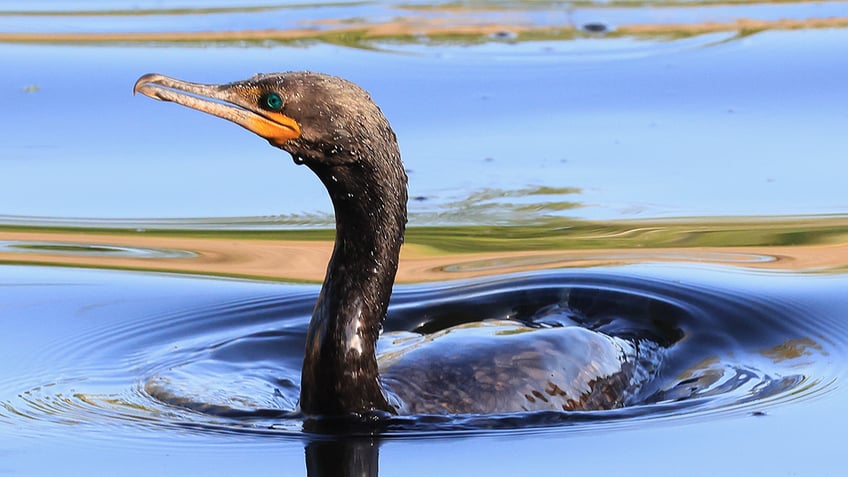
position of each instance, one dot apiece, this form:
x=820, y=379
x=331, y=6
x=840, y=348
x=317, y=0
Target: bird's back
x=503, y=366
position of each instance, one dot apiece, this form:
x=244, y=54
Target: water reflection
x=440, y=253
x=91, y=250
x=343, y=457
x=384, y=24
x=795, y=350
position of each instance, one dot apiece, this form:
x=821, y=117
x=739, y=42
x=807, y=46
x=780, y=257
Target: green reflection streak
x=564, y=234
x=551, y=234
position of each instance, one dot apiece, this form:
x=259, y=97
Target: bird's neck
x=340, y=374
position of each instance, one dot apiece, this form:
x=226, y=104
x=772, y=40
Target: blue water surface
x=731, y=123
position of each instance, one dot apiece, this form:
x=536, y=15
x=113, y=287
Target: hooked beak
x=234, y=102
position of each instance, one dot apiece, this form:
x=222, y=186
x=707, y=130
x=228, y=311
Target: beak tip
x=144, y=80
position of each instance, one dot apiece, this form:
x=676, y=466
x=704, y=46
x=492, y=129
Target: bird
x=491, y=366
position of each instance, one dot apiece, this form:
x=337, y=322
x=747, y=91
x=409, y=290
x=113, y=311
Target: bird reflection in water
x=342, y=456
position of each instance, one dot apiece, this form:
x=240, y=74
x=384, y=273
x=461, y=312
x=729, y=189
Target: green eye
x=272, y=101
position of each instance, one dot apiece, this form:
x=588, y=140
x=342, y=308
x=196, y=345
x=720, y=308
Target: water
x=91, y=363
x=660, y=168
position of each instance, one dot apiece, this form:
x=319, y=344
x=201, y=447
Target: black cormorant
x=333, y=127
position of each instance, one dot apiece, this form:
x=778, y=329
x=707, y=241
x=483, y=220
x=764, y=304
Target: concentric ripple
x=223, y=356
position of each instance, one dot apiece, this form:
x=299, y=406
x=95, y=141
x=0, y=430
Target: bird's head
x=320, y=119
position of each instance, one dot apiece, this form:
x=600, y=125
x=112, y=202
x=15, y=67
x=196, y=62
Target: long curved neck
x=340, y=374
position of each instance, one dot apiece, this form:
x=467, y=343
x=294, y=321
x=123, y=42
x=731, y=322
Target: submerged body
x=333, y=127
